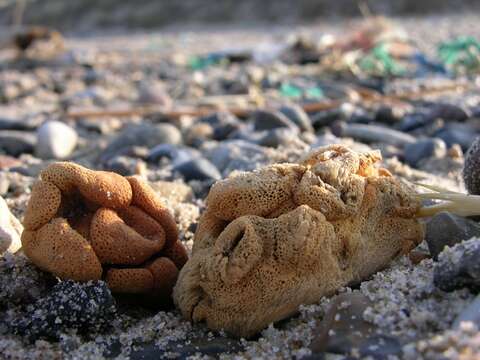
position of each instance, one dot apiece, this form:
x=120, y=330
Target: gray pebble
x=471, y=169
x=446, y=229
x=147, y=135
x=460, y=134
x=373, y=133
x=198, y=169
x=296, y=114
x=424, y=148
x=458, y=267
x=15, y=143
x=267, y=120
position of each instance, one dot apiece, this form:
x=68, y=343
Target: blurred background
x=85, y=15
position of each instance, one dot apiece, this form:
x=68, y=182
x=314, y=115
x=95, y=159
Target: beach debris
x=458, y=267
x=10, y=229
x=293, y=233
x=86, y=307
x=83, y=225
x=471, y=169
x=461, y=55
x=38, y=42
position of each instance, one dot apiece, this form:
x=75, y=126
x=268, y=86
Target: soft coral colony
x=268, y=241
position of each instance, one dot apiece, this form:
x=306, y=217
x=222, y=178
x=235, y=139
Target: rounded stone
x=471, y=169
x=55, y=140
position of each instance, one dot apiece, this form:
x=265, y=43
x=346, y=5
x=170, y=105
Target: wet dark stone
x=276, y=137
x=446, y=229
x=459, y=267
x=146, y=135
x=423, y=149
x=460, y=134
x=386, y=115
x=296, y=114
x=16, y=143
x=198, y=169
x=448, y=112
x=267, y=120
x=471, y=169
x=326, y=118
x=343, y=326
x=87, y=307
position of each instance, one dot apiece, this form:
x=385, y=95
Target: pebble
x=448, y=112
x=470, y=314
x=471, y=169
x=277, y=137
x=224, y=124
x=460, y=134
x=10, y=229
x=268, y=119
x=237, y=155
x=198, y=169
x=55, y=140
x=86, y=307
x=147, y=135
x=343, y=330
x=373, y=133
x=154, y=93
x=16, y=143
x=446, y=229
x=16, y=124
x=175, y=153
x=458, y=267
x=298, y=116
x=124, y=165
x=422, y=149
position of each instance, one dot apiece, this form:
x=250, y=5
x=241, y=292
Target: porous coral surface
x=288, y=234
x=84, y=225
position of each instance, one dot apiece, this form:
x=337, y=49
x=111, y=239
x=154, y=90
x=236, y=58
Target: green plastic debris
x=290, y=91
x=379, y=62
x=294, y=92
x=461, y=55
x=202, y=62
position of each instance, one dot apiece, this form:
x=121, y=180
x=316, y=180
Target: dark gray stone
x=86, y=307
x=459, y=267
x=198, y=169
x=370, y=133
x=146, y=135
x=460, y=134
x=423, y=149
x=276, y=137
x=471, y=169
x=448, y=112
x=343, y=326
x=296, y=114
x=237, y=155
x=16, y=143
x=176, y=154
x=386, y=115
x=267, y=120
x=446, y=229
